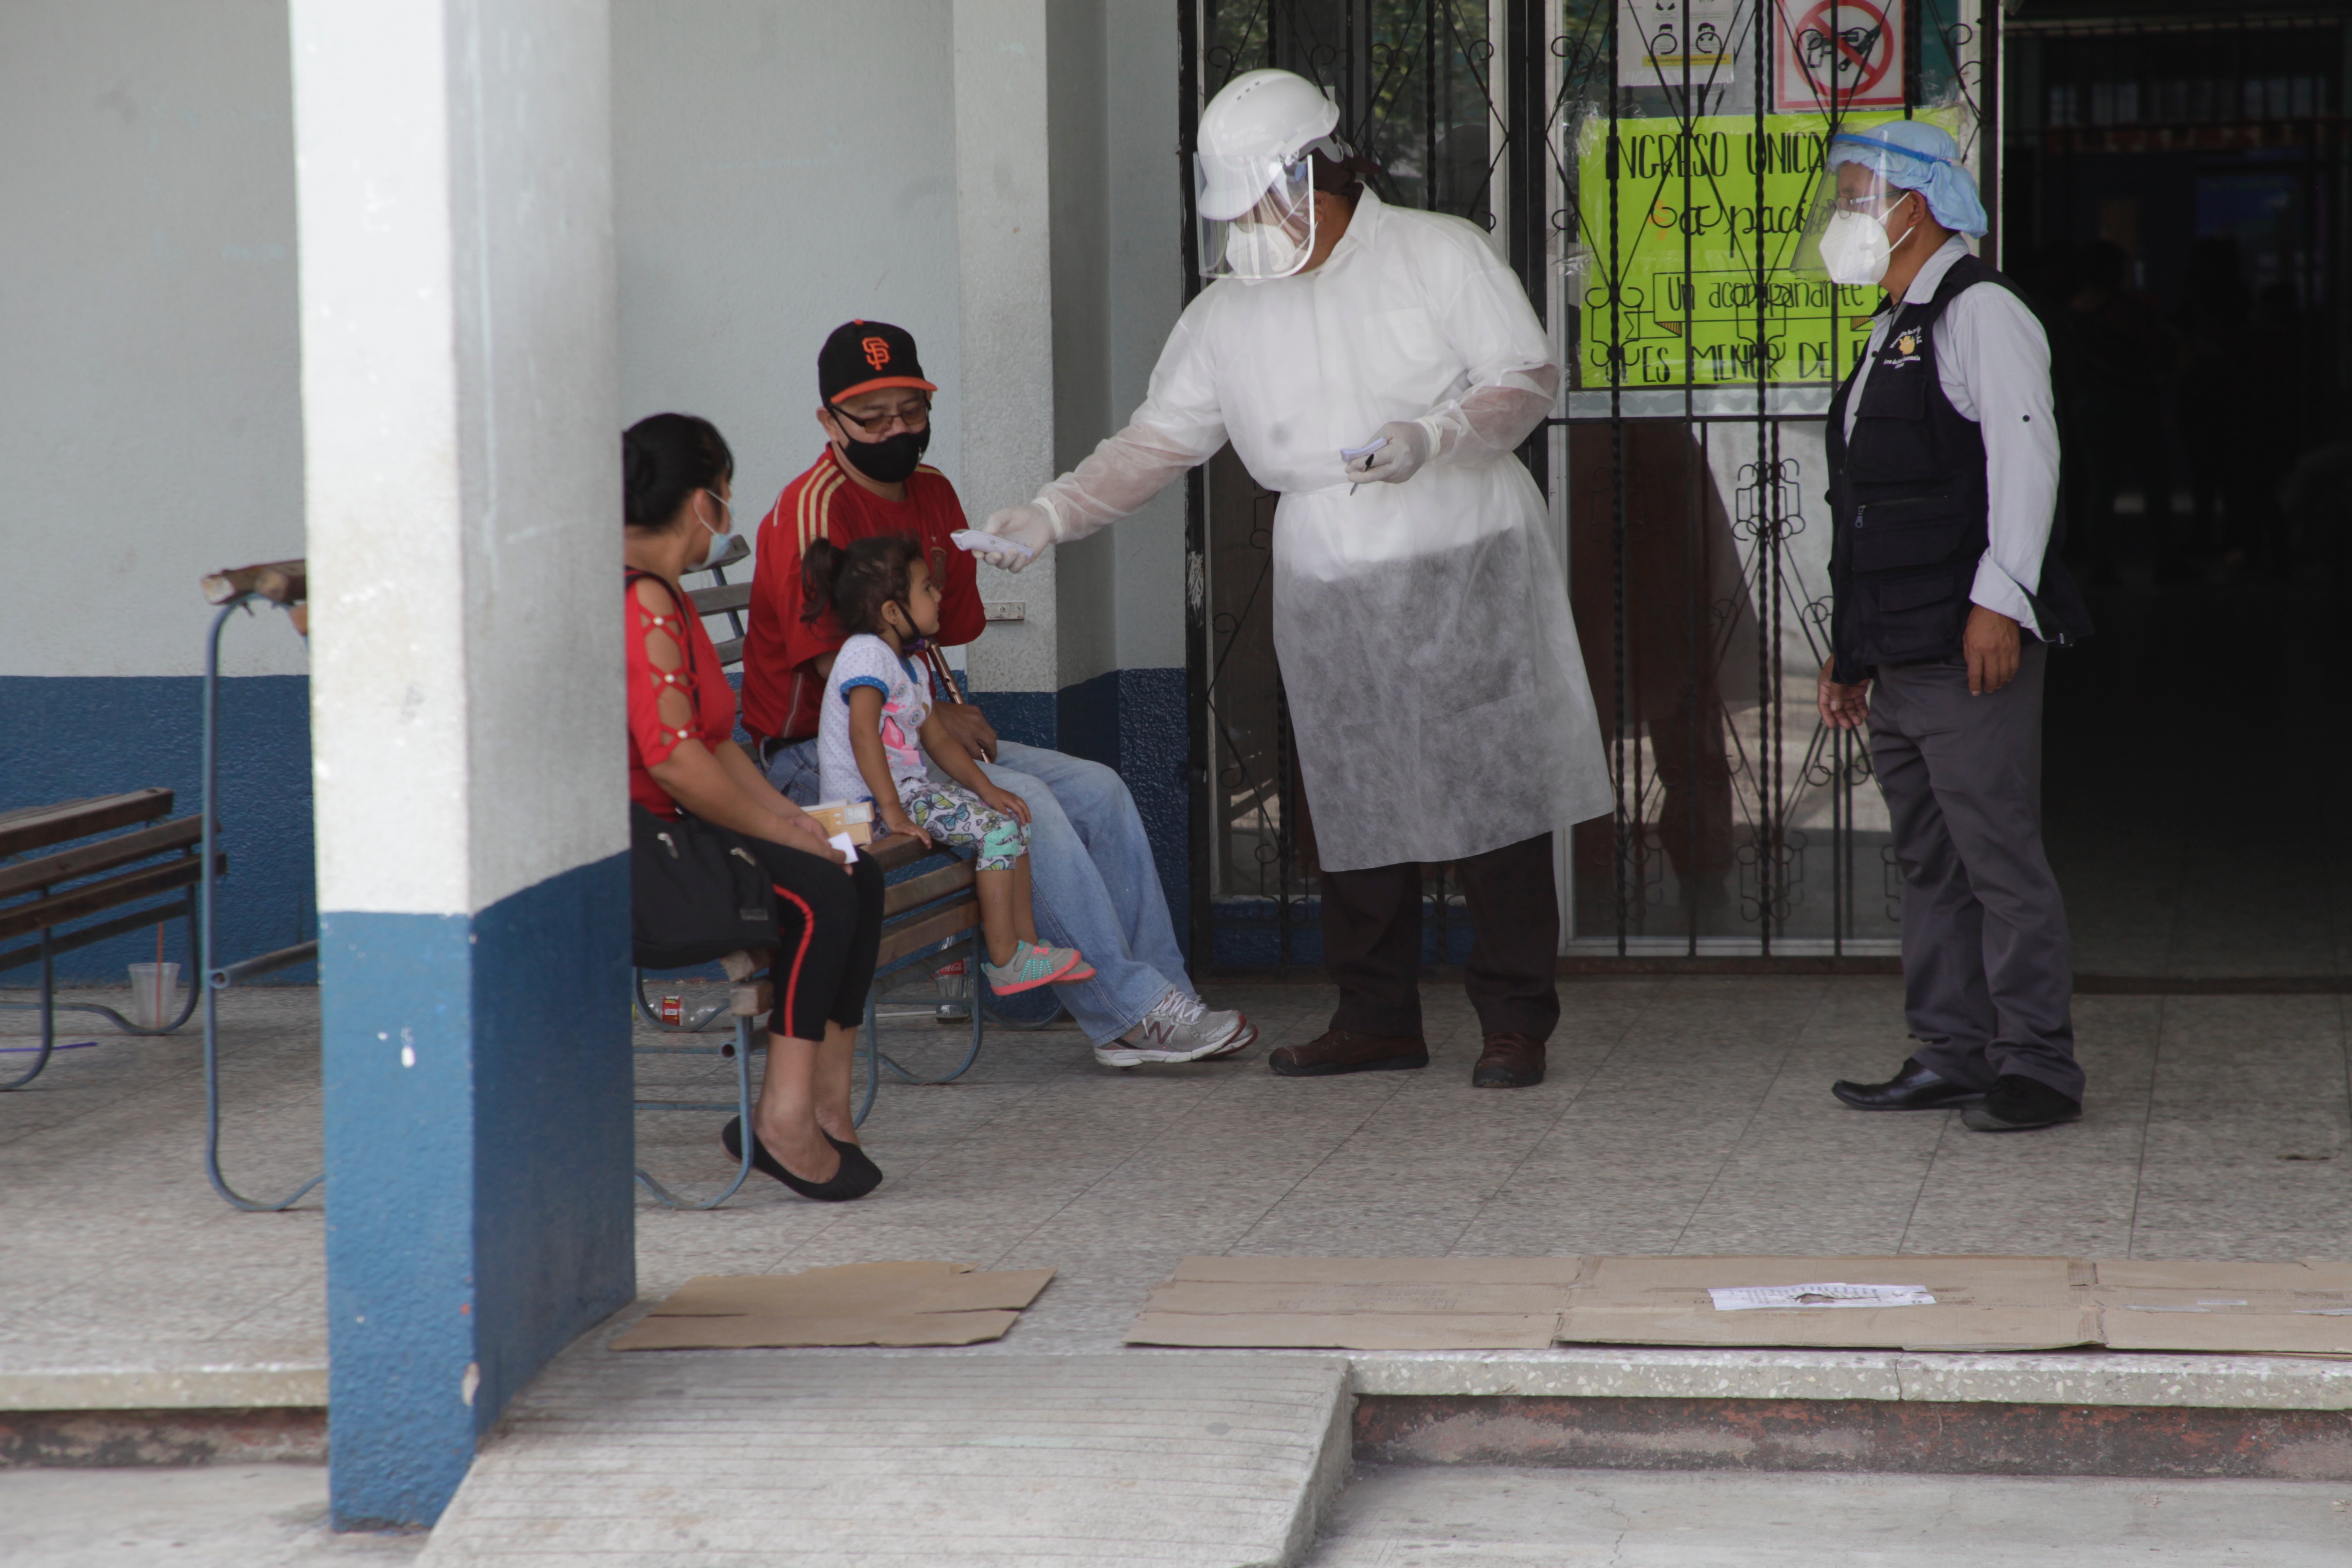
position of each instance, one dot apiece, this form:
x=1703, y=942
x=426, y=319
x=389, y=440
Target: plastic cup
x=154, y=994
x=953, y=981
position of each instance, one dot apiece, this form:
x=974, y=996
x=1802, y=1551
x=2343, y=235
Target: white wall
x=781, y=167
x=1145, y=214
x=150, y=419
x=1005, y=232
x=1117, y=290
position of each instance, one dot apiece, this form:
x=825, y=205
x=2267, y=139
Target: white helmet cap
x=1261, y=120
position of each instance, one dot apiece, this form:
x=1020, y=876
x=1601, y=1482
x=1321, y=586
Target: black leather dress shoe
x=2018, y=1104
x=1913, y=1088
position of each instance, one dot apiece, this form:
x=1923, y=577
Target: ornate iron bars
x=1640, y=161
x=1684, y=136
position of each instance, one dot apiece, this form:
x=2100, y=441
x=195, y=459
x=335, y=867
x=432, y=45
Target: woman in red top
x=678, y=474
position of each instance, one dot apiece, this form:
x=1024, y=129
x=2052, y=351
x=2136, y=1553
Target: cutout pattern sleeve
x=677, y=692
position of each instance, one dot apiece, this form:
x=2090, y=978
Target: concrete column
x=1003, y=240
x=460, y=406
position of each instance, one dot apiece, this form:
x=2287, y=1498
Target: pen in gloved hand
x=1349, y=454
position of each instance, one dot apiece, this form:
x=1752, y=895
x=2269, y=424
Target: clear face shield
x=1256, y=213
x=1846, y=235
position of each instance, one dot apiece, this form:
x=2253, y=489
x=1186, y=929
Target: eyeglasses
x=914, y=419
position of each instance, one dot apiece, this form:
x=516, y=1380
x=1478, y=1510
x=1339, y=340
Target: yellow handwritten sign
x=1689, y=315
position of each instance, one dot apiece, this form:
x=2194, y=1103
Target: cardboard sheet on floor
x=904, y=1303
x=2249, y=1308
x=1360, y=1303
x=1987, y=1303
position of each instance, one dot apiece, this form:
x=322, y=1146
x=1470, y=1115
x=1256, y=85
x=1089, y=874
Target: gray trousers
x=1987, y=976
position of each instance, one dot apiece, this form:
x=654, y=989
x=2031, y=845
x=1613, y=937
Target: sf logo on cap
x=877, y=352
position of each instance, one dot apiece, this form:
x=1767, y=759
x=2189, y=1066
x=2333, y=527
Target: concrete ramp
x=696, y=1459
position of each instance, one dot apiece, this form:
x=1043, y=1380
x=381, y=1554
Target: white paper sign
x=1656, y=38
x=1710, y=44
x=1752, y=1298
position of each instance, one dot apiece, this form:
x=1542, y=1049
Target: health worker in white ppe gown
x=1377, y=365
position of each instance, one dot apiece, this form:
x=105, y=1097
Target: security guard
x=1947, y=592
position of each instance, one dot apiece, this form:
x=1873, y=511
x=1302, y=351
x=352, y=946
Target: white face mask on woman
x=717, y=544
x=1855, y=249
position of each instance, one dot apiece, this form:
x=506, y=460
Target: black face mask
x=889, y=460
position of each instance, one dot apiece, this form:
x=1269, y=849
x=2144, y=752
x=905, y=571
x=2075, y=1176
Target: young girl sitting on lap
x=876, y=728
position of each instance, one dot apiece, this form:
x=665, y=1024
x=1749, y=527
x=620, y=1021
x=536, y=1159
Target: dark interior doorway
x=2175, y=198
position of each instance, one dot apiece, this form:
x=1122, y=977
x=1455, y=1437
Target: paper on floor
x=1757, y=1297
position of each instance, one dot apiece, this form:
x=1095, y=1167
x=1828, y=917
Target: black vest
x=1908, y=505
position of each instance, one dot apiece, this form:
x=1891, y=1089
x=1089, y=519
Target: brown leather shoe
x=1344, y=1050
x=1511, y=1060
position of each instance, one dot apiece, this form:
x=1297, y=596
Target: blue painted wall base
x=479, y=1143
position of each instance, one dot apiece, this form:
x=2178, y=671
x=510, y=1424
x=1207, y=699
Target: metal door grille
x=1687, y=472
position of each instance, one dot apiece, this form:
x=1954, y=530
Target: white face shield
x=1256, y=213
x=1846, y=236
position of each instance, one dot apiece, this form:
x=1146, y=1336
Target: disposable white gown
x=1435, y=684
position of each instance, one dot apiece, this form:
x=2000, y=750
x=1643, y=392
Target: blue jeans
x=1093, y=880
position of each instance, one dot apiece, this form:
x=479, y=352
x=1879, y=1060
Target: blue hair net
x=1921, y=157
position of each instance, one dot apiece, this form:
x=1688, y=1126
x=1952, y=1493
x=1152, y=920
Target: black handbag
x=696, y=893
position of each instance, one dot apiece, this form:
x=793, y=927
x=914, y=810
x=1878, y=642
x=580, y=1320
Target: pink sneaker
x=1034, y=965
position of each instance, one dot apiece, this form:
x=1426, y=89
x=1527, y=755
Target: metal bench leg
x=872, y=1051
x=204, y=941
x=49, y=1002
x=971, y=960
x=49, y=1020
x=671, y=1200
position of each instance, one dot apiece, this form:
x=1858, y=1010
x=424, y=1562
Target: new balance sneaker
x=1179, y=1028
x=1034, y=965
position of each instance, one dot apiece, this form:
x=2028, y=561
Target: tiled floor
x=1686, y=1115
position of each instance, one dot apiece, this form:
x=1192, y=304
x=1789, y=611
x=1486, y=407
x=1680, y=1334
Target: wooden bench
x=47, y=896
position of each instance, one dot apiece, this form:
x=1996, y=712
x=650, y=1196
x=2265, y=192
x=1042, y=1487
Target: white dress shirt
x=1992, y=361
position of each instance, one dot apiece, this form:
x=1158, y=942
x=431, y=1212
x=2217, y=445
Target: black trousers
x=1372, y=943
x=828, y=929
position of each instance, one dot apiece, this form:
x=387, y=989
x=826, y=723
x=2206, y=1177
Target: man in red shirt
x=1096, y=885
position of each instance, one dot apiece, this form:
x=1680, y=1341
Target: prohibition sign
x=1837, y=37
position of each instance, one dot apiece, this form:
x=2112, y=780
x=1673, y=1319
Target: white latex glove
x=1408, y=448
x=1028, y=524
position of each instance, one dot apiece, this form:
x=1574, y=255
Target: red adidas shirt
x=781, y=685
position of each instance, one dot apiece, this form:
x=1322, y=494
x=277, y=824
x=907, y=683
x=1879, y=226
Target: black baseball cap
x=864, y=356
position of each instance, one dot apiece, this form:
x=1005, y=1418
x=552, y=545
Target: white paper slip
x=1349, y=454
x=972, y=538
x=1751, y=1298
x=847, y=845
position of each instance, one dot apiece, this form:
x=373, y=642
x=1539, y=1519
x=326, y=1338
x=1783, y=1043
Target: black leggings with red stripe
x=829, y=927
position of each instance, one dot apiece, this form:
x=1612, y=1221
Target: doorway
x=2175, y=205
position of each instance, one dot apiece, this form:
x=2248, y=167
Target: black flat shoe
x=842, y=1186
x=2019, y=1105
x=853, y=1158
x=1913, y=1088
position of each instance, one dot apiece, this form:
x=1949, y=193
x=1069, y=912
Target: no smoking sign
x=1837, y=54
